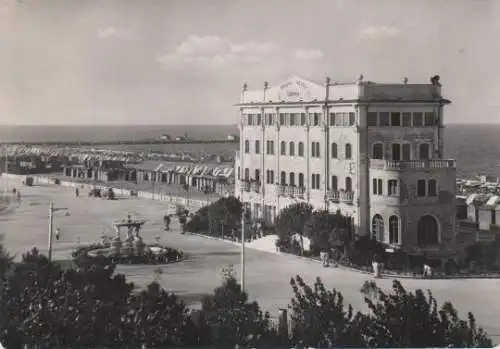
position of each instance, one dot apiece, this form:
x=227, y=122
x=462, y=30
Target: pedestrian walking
x=58, y=234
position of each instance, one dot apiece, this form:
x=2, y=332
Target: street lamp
x=6, y=172
x=243, y=222
x=53, y=209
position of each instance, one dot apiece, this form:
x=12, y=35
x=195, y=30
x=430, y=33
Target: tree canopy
x=92, y=307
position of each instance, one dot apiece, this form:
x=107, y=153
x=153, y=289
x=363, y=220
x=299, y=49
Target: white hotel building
x=374, y=151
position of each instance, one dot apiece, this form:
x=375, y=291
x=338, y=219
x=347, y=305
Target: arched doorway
x=378, y=227
x=427, y=231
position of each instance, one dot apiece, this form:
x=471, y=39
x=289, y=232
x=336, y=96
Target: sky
x=185, y=61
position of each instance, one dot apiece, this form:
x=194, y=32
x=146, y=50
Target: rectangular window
x=250, y=119
x=269, y=119
x=292, y=119
x=406, y=119
x=418, y=120
x=259, y=119
x=383, y=119
x=371, y=119
x=316, y=120
x=315, y=151
x=396, y=119
x=338, y=119
x=331, y=121
x=257, y=147
x=392, y=187
x=302, y=119
x=421, y=189
x=257, y=175
x=272, y=147
x=282, y=119
x=345, y=119
x=374, y=186
x=429, y=119
x=380, y=190
x=247, y=146
x=352, y=119
x=269, y=177
x=432, y=187
x=406, y=152
x=396, y=152
x=315, y=181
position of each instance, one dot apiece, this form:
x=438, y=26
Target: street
x=267, y=274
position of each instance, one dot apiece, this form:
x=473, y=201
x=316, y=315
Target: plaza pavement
x=267, y=274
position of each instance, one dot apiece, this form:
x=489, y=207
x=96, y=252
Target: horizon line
x=221, y=124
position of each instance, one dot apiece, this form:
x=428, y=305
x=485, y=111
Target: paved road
x=268, y=274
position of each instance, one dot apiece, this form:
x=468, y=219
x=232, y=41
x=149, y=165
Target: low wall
x=174, y=200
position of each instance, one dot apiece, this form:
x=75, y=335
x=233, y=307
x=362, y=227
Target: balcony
x=333, y=195
x=245, y=184
x=281, y=189
x=255, y=186
x=412, y=164
x=291, y=191
x=347, y=197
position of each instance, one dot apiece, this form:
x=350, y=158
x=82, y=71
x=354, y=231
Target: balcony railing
x=333, y=195
x=291, y=191
x=347, y=197
x=256, y=186
x=412, y=164
x=245, y=184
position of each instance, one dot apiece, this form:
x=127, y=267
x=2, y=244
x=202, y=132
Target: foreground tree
x=407, y=319
x=290, y=221
x=230, y=319
x=320, y=318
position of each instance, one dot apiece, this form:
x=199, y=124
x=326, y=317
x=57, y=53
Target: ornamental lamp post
x=53, y=209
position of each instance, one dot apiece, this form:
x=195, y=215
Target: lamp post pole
x=6, y=173
x=243, y=221
x=52, y=209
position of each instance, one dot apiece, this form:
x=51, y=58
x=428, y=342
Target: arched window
x=247, y=174
x=378, y=151
x=291, y=149
x=334, y=151
x=283, y=148
x=239, y=173
x=301, y=180
x=348, y=184
x=348, y=151
x=291, y=177
x=301, y=149
x=394, y=230
x=378, y=227
x=427, y=231
x=283, y=178
x=423, y=151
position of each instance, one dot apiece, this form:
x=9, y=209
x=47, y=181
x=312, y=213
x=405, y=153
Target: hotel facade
x=373, y=151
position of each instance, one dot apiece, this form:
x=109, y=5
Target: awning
x=470, y=200
x=493, y=201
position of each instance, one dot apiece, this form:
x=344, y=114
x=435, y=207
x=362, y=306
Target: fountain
x=130, y=249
